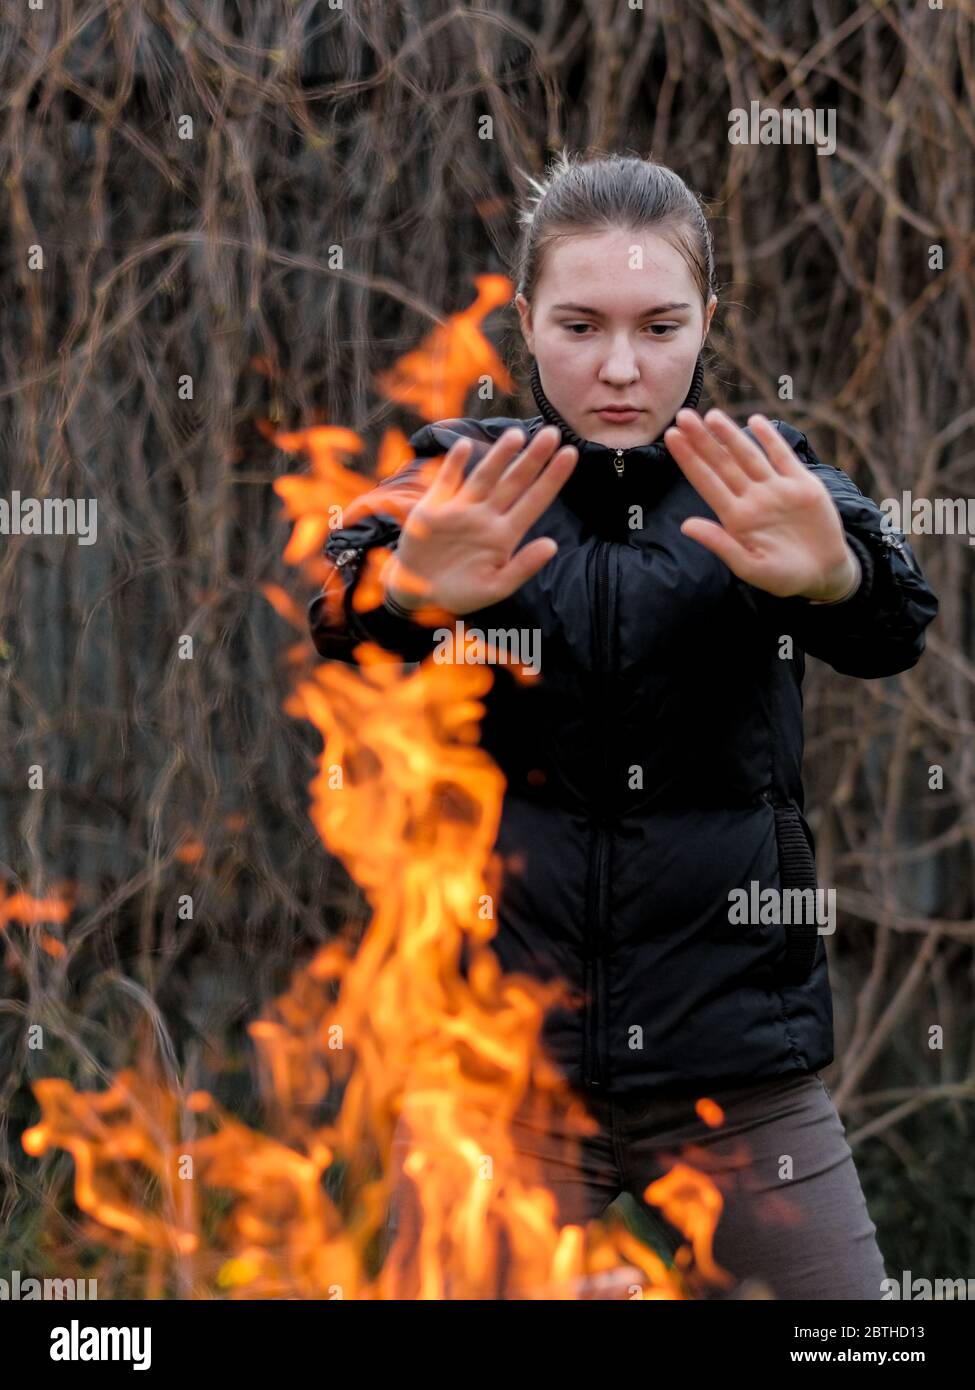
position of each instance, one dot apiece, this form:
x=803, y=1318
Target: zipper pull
x=618, y=463
x=891, y=542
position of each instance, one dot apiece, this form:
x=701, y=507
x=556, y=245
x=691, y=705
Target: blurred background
x=225, y=222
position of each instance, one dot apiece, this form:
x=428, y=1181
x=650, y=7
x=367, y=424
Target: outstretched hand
x=458, y=550
x=780, y=529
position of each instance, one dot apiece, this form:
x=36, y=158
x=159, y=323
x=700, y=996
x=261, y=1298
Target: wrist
x=403, y=602
x=841, y=586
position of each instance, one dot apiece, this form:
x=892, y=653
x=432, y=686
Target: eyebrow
x=654, y=309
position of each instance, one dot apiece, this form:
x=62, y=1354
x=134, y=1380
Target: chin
x=626, y=436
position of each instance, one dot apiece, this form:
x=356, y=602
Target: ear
x=525, y=315
x=712, y=305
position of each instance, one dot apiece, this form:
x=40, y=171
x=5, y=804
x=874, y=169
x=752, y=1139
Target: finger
x=716, y=539
x=544, y=489
x=781, y=455
x=748, y=454
x=482, y=479
x=713, y=452
x=519, y=476
x=709, y=484
x=449, y=474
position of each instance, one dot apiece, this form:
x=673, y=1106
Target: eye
x=665, y=327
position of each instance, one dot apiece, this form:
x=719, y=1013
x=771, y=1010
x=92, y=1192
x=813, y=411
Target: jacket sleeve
x=336, y=626
x=879, y=631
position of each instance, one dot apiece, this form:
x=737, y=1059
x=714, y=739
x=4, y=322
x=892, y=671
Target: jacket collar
x=596, y=487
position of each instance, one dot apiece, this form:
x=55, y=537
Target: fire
x=435, y=378
x=24, y=908
x=30, y=911
x=315, y=502
x=691, y=1202
x=115, y=1137
x=710, y=1112
x=382, y=1032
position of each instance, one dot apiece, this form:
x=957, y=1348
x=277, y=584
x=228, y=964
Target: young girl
x=677, y=570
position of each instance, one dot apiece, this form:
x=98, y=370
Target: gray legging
x=793, y=1219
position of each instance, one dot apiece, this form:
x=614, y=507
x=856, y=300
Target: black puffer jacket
x=655, y=764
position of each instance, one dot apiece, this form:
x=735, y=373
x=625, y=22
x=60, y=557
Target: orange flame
x=710, y=1112
x=435, y=378
x=22, y=907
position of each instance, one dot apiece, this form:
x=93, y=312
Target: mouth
x=619, y=414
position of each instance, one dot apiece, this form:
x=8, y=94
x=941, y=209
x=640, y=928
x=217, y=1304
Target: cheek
x=576, y=366
x=674, y=361
x=568, y=363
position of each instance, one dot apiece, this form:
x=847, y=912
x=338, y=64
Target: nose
x=620, y=366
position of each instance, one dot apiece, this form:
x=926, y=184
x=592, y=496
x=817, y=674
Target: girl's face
x=616, y=320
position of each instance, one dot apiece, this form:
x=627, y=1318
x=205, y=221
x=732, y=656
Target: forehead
x=613, y=261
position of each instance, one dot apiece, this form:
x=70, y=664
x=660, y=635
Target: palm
x=779, y=529
x=459, y=547
x=463, y=549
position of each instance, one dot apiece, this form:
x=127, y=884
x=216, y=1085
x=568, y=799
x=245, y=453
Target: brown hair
x=578, y=196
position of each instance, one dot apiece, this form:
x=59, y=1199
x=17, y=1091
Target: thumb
x=526, y=562
x=716, y=539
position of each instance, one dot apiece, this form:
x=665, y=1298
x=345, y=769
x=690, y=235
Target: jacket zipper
x=593, y=1069
x=594, y=1073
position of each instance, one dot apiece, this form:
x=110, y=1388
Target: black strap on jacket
x=798, y=870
